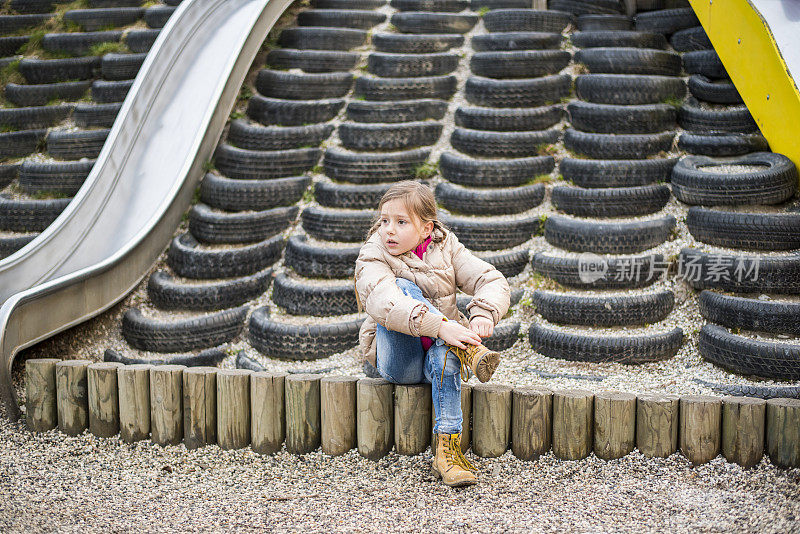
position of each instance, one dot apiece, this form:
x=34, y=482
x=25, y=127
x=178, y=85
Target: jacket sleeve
x=491, y=295
x=377, y=289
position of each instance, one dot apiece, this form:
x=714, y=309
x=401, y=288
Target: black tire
x=760, y=392
x=141, y=41
x=736, y=119
x=737, y=273
x=607, y=238
x=622, y=146
x=591, y=23
x=422, y=22
x=605, y=349
x=8, y=173
x=525, y=20
x=40, y=95
x=493, y=173
x=309, y=38
x=612, y=60
x=705, y=62
x=39, y=71
x=209, y=226
x=690, y=40
x=611, y=201
x=519, y=64
x=348, y=4
x=9, y=46
x=317, y=300
x=96, y=115
x=493, y=234
x=720, y=144
x=320, y=262
x=693, y=183
x=92, y=20
x=509, y=119
x=411, y=65
x=34, y=117
x=205, y=358
x=750, y=314
x=397, y=111
x=592, y=173
x=187, y=260
x=300, y=342
x=749, y=231
x=716, y=91
x=29, y=215
x=340, y=18
x=10, y=245
x=312, y=60
x=279, y=84
x=398, y=43
x=609, y=118
x=327, y=224
x=510, y=264
x=625, y=310
x=505, y=334
x=509, y=41
x=19, y=144
x=749, y=356
x=503, y=144
x=517, y=93
x=438, y=6
x=348, y=196
x=64, y=178
x=262, y=165
x=624, y=89
x=242, y=134
x=587, y=7
x=628, y=39
x=489, y=201
x=79, y=43
x=157, y=16
x=243, y=361
x=463, y=300
x=276, y=112
x=477, y=5
x=10, y=24
x=168, y=294
x=30, y=6
x=76, y=145
x=244, y=195
x=366, y=168
x=182, y=335
x=666, y=21
x=438, y=87
x=104, y=92
x=401, y=136
x=567, y=271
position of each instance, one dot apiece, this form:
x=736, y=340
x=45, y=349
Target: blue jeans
x=402, y=360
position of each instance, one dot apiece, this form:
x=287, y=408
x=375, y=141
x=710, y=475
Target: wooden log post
x=614, y=424
x=532, y=421
x=783, y=432
x=572, y=423
x=133, y=382
x=412, y=416
x=103, y=398
x=166, y=396
x=491, y=419
x=40, y=394
x=303, y=419
x=657, y=424
x=743, y=422
x=338, y=404
x=199, y=406
x=267, y=417
x=466, y=419
x=233, y=408
x=72, y=397
x=375, y=417
x=700, y=427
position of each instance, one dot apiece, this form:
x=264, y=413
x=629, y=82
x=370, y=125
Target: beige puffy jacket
x=445, y=266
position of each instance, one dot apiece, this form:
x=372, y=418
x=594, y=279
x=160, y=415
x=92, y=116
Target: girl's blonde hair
x=418, y=199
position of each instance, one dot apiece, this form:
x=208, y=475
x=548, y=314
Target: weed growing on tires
x=209, y=166
x=101, y=49
x=482, y=11
x=308, y=195
x=426, y=171
x=674, y=102
x=317, y=169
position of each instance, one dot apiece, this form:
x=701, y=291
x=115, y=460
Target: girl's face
x=400, y=230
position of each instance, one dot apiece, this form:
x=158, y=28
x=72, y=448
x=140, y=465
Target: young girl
x=406, y=277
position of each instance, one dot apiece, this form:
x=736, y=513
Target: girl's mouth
x=390, y=242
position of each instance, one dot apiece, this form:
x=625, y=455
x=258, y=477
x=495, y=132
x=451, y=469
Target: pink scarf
x=419, y=251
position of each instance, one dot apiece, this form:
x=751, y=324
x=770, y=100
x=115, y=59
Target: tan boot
x=449, y=464
x=478, y=358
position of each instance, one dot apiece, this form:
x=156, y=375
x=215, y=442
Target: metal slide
x=119, y=222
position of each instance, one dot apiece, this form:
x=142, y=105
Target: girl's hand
x=481, y=326
x=454, y=334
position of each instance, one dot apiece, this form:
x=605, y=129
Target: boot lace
x=452, y=452
x=463, y=356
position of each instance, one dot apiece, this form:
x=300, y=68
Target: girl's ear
x=427, y=228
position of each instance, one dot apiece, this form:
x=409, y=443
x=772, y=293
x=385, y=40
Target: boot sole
x=487, y=366
x=438, y=475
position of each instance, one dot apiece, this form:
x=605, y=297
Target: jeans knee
x=406, y=285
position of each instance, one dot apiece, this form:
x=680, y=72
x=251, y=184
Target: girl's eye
x=401, y=221
x=384, y=221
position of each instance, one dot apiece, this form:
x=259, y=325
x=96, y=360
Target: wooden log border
x=359, y=414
